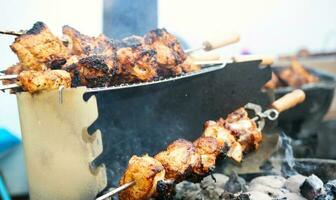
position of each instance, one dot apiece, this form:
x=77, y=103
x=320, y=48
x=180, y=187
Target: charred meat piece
x=226, y=141
x=39, y=49
x=136, y=64
x=207, y=149
x=146, y=172
x=91, y=71
x=244, y=129
x=178, y=160
x=80, y=44
x=36, y=81
x=169, y=51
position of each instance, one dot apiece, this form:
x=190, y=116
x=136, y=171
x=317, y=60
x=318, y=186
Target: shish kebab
x=147, y=177
x=100, y=62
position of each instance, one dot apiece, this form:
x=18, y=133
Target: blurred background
x=279, y=27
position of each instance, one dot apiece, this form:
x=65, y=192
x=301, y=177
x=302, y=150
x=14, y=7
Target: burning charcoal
x=312, y=187
x=271, y=181
x=291, y=196
x=255, y=195
x=230, y=196
x=221, y=179
x=330, y=191
x=235, y=184
x=188, y=190
x=213, y=187
x=270, y=191
x=293, y=183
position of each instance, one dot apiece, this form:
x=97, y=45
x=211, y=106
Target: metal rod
x=14, y=33
x=212, y=62
x=9, y=86
x=5, y=77
x=193, y=49
x=115, y=191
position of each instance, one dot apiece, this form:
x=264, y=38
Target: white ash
x=293, y=183
x=260, y=188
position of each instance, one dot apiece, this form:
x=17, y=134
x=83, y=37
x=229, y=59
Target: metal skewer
x=14, y=33
x=6, y=77
x=115, y=191
x=9, y=86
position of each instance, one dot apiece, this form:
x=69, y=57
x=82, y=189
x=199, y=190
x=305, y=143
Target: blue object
x=3, y=191
x=7, y=140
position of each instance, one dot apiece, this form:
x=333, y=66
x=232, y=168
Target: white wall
x=85, y=15
x=266, y=26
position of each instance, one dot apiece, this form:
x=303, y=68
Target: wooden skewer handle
x=265, y=60
x=204, y=57
x=289, y=100
x=215, y=44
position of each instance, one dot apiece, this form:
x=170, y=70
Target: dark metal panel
x=146, y=119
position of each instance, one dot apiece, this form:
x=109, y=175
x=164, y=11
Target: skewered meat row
x=295, y=76
x=156, y=176
x=99, y=61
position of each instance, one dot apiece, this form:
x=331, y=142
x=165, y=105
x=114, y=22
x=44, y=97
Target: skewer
x=115, y=191
x=14, y=33
x=215, y=44
x=206, y=45
x=286, y=102
x=9, y=86
x=7, y=77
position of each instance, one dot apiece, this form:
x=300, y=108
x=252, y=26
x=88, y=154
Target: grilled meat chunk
x=136, y=64
x=90, y=71
x=244, y=129
x=169, y=51
x=81, y=44
x=39, y=49
x=297, y=75
x=36, y=81
x=188, y=66
x=207, y=149
x=146, y=172
x=226, y=141
x=178, y=160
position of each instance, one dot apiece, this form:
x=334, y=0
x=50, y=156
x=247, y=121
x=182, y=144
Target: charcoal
x=330, y=191
x=235, y=184
x=293, y=183
x=271, y=181
x=312, y=187
x=255, y=195
x=230, y=196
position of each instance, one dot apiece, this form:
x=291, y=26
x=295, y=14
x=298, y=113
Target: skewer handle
x=265, y=60
x=289, y=100
x=204, y=57
x=215, y=44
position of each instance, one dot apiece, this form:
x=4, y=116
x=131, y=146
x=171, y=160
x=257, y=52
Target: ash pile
x=270, y=187
x=280, y=180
